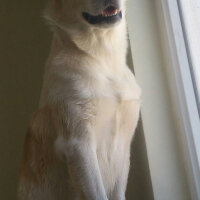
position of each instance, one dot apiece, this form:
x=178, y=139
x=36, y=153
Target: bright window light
x=190, y=10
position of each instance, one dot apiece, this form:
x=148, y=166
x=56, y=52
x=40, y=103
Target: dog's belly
x=114, y=126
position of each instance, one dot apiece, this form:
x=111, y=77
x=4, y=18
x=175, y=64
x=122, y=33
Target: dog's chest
x=121, y=86
x=114, y=123
x=117, y=108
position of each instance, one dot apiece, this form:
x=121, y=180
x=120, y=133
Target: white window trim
x=186, y=105
x=190, y=15
x=169, y=110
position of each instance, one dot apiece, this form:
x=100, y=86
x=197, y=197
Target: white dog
x=78, y=142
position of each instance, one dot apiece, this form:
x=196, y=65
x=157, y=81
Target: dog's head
x=86, y=13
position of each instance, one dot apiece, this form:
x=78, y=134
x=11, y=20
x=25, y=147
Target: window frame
x=186, y=105
x=189, y=46
x=174, y=107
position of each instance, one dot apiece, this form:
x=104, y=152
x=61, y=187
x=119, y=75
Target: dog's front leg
x=78, y=147
x=121, y=184
x=84, y=170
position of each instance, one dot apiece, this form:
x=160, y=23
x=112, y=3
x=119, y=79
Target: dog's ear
x=52, y=10
x=57, y=4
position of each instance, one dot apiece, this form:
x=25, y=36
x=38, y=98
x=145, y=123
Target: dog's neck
x=96, y=43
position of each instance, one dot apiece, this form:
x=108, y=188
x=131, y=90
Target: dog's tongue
x=109, y=11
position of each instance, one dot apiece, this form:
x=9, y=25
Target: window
x=190, y=17
x=166, y=63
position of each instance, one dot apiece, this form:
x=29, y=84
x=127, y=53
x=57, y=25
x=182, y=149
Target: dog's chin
x=108, y=18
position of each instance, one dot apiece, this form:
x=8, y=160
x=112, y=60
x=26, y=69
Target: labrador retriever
x=78, y=142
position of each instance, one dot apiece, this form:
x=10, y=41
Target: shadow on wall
x=24, y=47
x=139, y=183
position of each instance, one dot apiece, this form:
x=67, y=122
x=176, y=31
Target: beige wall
x=24, y=45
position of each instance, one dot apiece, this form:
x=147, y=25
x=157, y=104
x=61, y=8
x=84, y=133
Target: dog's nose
x=114, y=3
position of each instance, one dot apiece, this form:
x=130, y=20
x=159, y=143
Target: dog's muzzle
x=110, y=15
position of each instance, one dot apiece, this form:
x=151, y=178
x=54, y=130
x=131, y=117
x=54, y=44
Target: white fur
x=89, y=109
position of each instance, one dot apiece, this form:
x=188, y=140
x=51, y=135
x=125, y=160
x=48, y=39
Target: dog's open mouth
x=108, y=16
